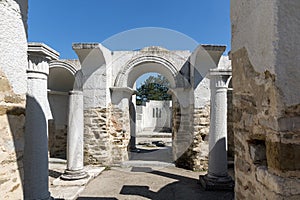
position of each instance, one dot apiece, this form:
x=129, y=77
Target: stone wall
x=13, y=64
x=196, y=156
x=97, y=141
x=57, y=140
x=201, y=134
x=58, y=126
x=266, y=99
x=230, y=135
x=13, y=44
x=12, y=120
x=119, y=130
x=105, y=139
x=154, y=116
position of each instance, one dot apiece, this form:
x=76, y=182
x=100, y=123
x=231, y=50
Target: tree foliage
x=153, y=88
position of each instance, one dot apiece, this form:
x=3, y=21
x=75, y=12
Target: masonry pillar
x=36, y=125
x=217, y=177
x=182, y=129
x=121, y=99
x=75, y=169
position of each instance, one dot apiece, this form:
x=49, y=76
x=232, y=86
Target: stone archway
x=159, y=63
x=60, y=82
x=138, y=66
x=107, y=83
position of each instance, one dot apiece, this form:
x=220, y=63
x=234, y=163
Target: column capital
x=42, y=50
x=220, y=78
x=39, y=55
x=119, y=93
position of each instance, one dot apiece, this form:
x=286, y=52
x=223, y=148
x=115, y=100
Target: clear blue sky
x=59, y=23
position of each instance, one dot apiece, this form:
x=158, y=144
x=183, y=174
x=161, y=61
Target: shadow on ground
x=96, y=198
x=54, y=174
x=162, y=154
x=174, y=186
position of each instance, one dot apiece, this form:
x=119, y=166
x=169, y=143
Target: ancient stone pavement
x=142, y=182
x=149, y=174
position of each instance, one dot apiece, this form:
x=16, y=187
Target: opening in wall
x=257, y=151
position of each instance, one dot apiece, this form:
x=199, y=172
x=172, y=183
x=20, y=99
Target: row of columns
x=36, y=183
x=217, y=177
x=38, y=113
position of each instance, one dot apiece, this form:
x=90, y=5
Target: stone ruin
x=264, y=118
x=106, y=79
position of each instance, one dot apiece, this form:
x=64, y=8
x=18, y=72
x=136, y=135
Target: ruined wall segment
x=266, y=99
x=108, y=78
x=13, y=45
x=13, y=64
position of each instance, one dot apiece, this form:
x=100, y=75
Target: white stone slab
x=67, y=193
x=93, y=172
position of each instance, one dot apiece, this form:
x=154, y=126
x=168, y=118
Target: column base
x=210, y=182
x=74, y=175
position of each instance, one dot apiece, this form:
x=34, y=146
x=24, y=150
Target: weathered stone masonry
x=105, y=140
x=196, y=156
x=96, y=137
x=266, y=101
x=261, y=159
x=13, y=64
x=108, y=80
x=12, y=120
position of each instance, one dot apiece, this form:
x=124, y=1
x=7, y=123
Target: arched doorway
x=108, y=79
x=60, y=81
x=150, y=112
x=182, y=97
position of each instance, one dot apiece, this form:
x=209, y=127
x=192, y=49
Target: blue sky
x=59, y=23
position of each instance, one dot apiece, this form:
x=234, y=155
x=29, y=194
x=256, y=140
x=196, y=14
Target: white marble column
x=217, y=177
x=36, y=125
x=75, y=169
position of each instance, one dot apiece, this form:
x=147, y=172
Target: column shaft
x=75, y=138
x=217, y=165
x=217, y=177
x=36, y=140
x=36, y=125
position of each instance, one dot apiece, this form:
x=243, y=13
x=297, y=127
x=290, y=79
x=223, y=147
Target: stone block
x=289, y=123
x=277, y=184
x=283, y=157
x=242, y=165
